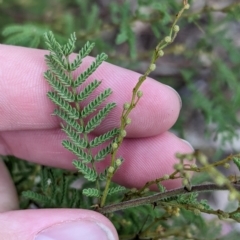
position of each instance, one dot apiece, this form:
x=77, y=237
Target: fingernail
x=188, y=144
x=75, y=230
x=180, y=100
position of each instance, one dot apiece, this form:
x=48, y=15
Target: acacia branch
x=159, y=196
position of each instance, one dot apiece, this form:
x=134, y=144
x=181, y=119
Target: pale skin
x=28, y=131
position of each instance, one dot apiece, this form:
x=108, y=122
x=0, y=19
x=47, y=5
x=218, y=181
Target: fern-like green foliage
x=91, y=192
x=55, y=190
x=67, y=94
x=117, y=189
x=25, y=35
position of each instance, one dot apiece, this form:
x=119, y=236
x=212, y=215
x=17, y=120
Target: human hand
x=28, y=131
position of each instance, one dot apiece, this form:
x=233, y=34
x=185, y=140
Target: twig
x=159, y=196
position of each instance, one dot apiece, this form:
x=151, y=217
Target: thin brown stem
x=159, y=196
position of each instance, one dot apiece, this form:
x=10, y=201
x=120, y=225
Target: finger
x=61, y=224
x=8, y=194
x=24, y=105
x=149, y=159
x=144, y=158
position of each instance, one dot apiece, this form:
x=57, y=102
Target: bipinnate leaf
x=67, y=94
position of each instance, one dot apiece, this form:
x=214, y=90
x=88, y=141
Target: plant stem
x=134, y=100
x=159, y=196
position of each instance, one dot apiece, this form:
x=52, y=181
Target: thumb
x=56, y=224
x=8, y=193
x=47, y=224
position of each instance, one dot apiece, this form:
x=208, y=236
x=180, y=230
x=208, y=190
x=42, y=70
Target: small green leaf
x=39, y=198
x=82, y=54
x=91, y=192
x=103, y=175
x=75, y=137
x=83, y=76
x=72, y=122
x=56, y=69
x=114, y=190
x=87, y=172
x=88, y=90
x=91, y=107
x=58, y=87
x=161, y=187
x=103, y=153
x=86, y=158
x=236, y=160
x=104, y=137
x=73, y=112
x=98, y=118
x=70, y=45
